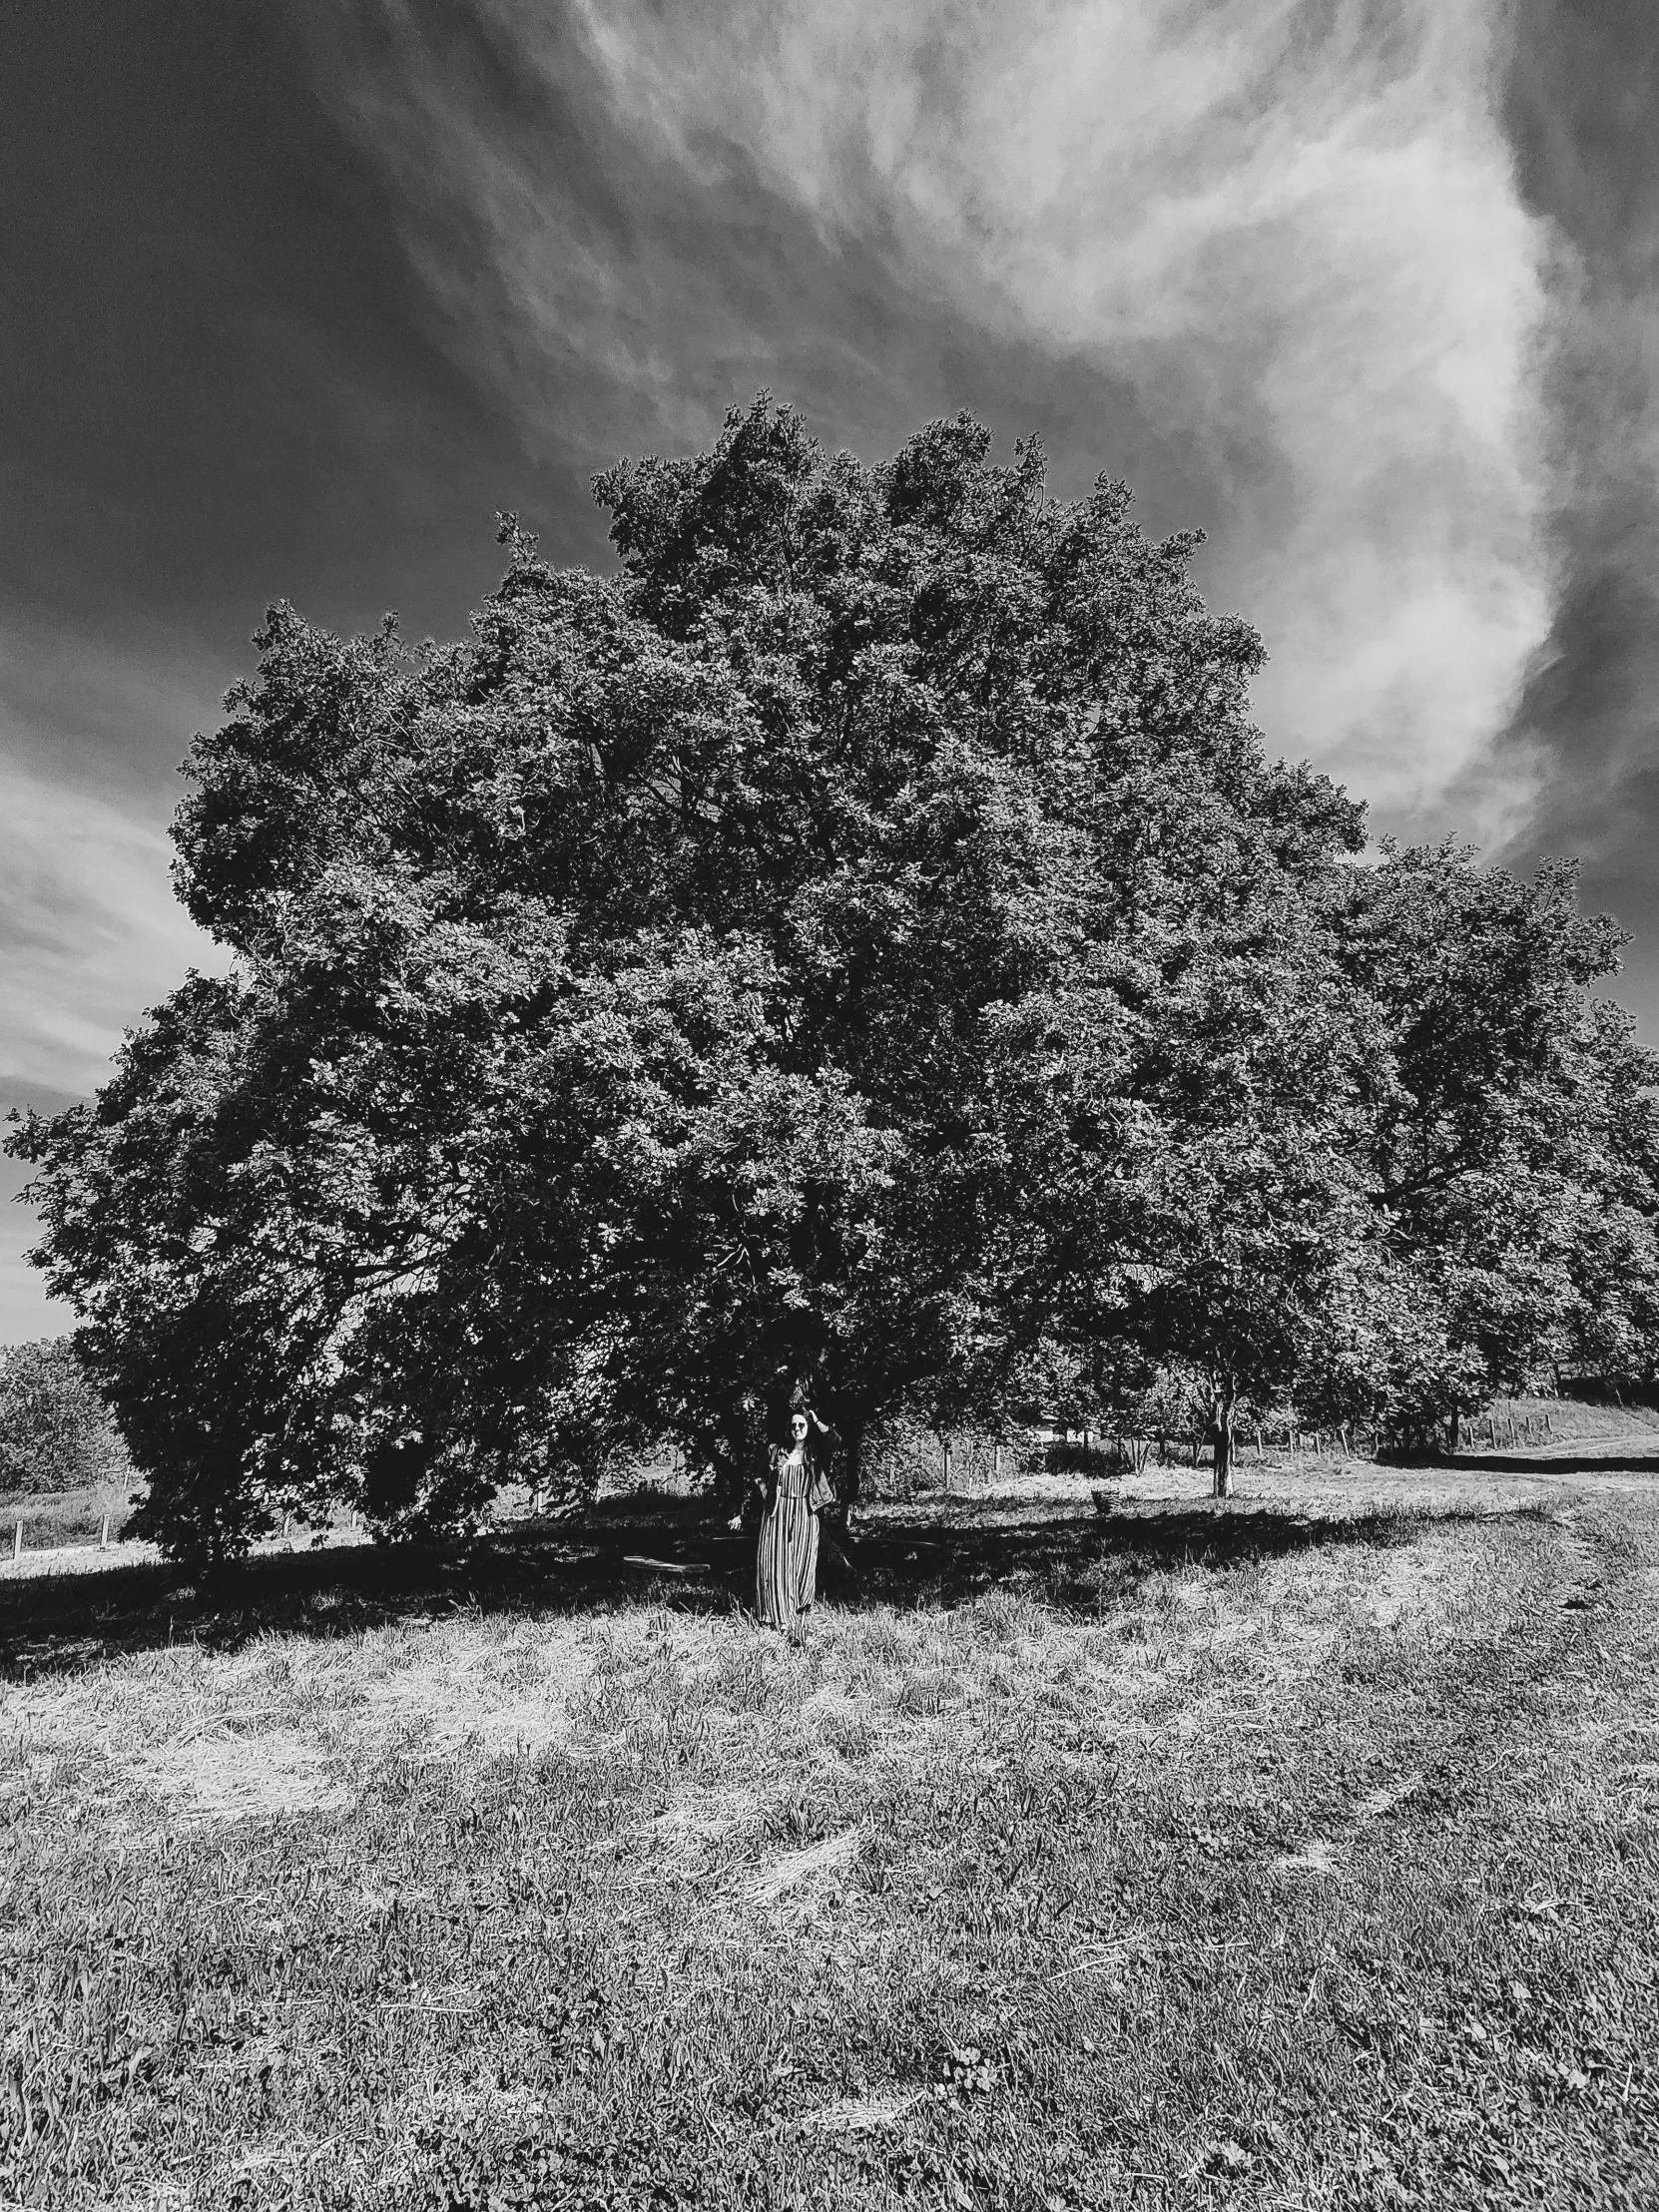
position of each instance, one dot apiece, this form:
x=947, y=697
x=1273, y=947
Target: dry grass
x=1312, y=1868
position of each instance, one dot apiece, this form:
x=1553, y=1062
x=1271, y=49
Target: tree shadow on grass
x=1546, y=1466
x=666, y=1552
x=1076, y=1562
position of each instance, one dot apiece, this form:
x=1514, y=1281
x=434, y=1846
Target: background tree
x=1514, y=1145
x=1186, y=1126
x=55, y=1429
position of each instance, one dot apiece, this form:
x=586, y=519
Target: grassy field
x=54, y=1518
x=1302, y=1854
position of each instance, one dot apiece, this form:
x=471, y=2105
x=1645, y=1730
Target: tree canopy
x=861, y=943
x=55, y=1431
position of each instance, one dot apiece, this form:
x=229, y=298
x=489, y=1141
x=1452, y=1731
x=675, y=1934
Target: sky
x=294, y=298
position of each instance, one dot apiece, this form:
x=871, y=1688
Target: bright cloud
x=1296, y=232
x=92, y=931
x=1293, y=230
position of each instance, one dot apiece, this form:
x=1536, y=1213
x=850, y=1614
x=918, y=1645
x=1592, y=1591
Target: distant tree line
x=859, y=948
x=55, y=1429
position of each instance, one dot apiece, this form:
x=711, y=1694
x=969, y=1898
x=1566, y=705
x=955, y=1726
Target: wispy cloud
x=25, y=1308
x=92, y=931
x=1289, y=229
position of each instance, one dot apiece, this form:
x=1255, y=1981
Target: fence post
x=104, y=1534
x=17, y=1540
x=945, y=1442
x=996, y=1462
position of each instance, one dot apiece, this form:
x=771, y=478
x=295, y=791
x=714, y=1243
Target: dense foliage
x=55, y=1429
x=859, y=944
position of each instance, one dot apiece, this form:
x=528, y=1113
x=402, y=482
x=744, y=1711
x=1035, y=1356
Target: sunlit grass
x=1213, y=1883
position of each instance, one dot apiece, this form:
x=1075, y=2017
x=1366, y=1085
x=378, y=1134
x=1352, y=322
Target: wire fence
x=909, y=1461
x=917, y=1460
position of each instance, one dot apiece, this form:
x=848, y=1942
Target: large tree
x=1514, y=1146
x=859, y=937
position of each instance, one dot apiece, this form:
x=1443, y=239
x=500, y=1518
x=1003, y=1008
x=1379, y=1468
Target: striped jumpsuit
x=786, y=1560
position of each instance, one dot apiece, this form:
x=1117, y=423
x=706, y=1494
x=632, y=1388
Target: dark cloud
x=1583, y=108
x=224, y=382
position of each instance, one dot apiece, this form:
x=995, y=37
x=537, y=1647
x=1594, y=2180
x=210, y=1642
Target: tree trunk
x=1222, y=1486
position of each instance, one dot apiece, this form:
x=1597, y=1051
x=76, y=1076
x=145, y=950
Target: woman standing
x=786, y=1560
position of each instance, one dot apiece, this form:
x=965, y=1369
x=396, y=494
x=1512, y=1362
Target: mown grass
x=55, y=1517
x=1309, y=1867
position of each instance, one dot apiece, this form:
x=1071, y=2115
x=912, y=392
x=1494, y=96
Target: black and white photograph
x=830, y=1105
